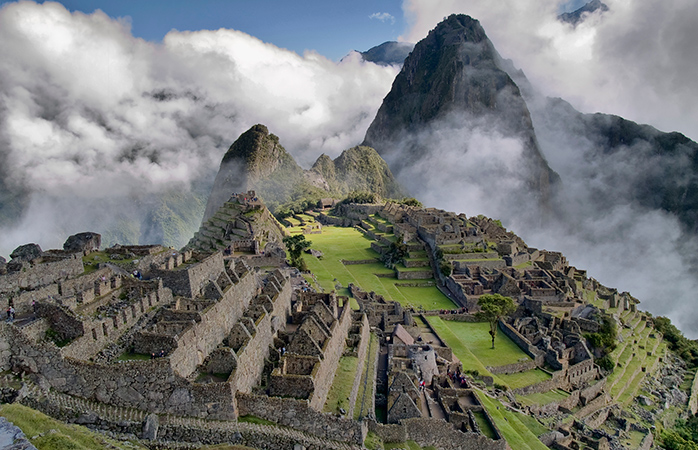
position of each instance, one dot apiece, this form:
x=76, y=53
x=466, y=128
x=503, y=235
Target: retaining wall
x=297, y=414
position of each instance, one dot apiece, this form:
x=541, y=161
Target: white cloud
x=636, y=60
x=383, y=17
x=89, y=111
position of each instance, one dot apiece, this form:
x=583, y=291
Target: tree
x=492, y=308
x=295, y=245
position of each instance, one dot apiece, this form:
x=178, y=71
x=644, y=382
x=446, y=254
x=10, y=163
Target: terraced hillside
x=349, y=256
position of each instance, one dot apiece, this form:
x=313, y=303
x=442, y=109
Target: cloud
x=89, y=112
x=383, y=17
x=635, y=61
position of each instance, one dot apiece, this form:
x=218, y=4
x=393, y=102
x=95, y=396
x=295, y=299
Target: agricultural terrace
x=348, y=244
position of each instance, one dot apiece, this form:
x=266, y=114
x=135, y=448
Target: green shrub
x=445, y=268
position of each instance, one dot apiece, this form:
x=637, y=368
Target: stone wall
x=32, y=276
x=146, y=385
x=593, y=391
x=23, y=302
x=414, y=274
x=442, y=435
x=100, y=332
x=513, y=368
x=251, y=356
x=194, y=345
x=331, y=352
x=460, y=266
x=581, y=373
x=361, y=353
x=693, y=400
x=522, y=342
x=297, y=414
x=190, y=280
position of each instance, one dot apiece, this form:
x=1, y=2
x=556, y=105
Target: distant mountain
x=257, y=161
x=452, y=82
x=388, y=53
x=358, y=169
x=576, y=17
x=621, y=162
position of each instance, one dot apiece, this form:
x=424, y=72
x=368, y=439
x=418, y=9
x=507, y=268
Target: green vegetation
x=340, y=243
x=542, y=398
x=409, y=201
x=55, y=337
x=361, y=197
x=494, y=307
x=471, y=344
x=522, y=379
x=255, y=419
x=517, y=433
x=46, y=433
x=678, y=343
x=684, y=435
x=606, y=340
x=367, y=385
x=295, y=245
x=338, y=397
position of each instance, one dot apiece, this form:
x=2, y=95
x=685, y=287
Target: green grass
x=532, y=424
x=369, y=369
x=255, y=419
x=516, y=433
x=522, y=379
x=338, y=243
x=46, y=433
x=92, y=261
x=476, y=337
x=484, y=424
x=338, y=397
x=460, y=349
x=542, y=398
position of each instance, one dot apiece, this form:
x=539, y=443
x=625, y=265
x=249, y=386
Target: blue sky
x=332, y=28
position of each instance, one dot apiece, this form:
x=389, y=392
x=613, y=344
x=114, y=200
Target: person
x=12, y=314
x=33, y=305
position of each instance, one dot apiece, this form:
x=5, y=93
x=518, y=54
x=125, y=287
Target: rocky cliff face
x=452, y=82
x=256, y=160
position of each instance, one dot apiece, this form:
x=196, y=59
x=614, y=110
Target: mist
x=607, y=64
x=636, y=60
x=96, y=124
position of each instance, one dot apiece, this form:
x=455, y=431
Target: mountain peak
x=453, y=82
x=250, y=162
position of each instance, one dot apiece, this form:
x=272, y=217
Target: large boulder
x=83, y=242
x=26, y=252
